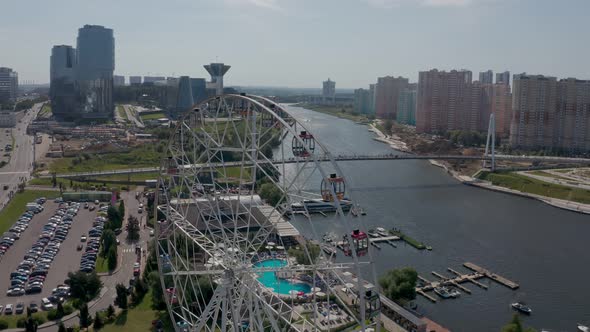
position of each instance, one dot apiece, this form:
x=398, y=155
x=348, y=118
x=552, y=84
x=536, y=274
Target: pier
x=460, y=278
x=497, y=278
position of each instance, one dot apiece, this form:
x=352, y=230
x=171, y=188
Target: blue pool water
x=281, y=286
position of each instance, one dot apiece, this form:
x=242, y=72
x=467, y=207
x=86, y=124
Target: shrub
x=3, y=324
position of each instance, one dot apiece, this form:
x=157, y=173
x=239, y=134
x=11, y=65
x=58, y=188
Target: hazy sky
x=299, y=43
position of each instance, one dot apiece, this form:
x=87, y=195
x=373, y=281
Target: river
x=544, y=249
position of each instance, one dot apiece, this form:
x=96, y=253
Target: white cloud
x=428, y=3
x=265, y=4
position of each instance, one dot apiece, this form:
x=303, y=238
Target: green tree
x=84, y=286
x=110, y=311
x=133, y=228
x=388, y=126
x=98, y=323
x=31, y=325
x=60, y=310
x=108, y=240
x=112, y=258
x=114, y=217
x=158, y=302
x=271, y=193
x=306, y=257
x=122, y=209
x=399, y=284
x=121, y=299
x=516, y=326
x=61, y=327
x=85, y=318
x=3, y=324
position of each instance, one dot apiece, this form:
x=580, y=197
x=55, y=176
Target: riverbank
x=337, y=111
x=398, y=144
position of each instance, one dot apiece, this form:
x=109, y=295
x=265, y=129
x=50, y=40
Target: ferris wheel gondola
x=303, y=145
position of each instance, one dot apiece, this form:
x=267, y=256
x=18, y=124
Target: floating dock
x=459, y=278
x=497, y=278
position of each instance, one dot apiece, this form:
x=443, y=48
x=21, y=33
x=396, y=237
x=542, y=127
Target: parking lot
x=66, y=260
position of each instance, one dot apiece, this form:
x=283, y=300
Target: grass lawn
x=534, y=186
x=45, y=111
x=102, y=265
x=12, y=319
x=153, y=116
x=121, y=112
x=143, y=156
x=67, y=185
x=549, y=175
x=17, y=206
x=139, y=318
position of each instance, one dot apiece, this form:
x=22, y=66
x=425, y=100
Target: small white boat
x=583, y=328
x=382, y=231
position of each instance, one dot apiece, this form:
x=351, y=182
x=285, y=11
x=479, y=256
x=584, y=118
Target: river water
x=544, y=249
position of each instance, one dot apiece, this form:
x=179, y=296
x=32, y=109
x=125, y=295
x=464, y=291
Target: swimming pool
x=281, y=286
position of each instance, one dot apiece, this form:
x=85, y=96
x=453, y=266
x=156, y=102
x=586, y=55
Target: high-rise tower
x=217, y=70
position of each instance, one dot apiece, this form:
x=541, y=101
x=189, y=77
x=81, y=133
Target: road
x=132, y=116
x=21, y=161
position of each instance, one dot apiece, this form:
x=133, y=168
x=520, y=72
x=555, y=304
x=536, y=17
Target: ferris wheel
x=230, y=260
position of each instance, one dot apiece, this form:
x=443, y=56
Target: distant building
x=7, y=119
x=185, y=94
x=443, y=101
x=199, y=89
x=95, y=54
x=217, y=71
x=152, y=79
x=118, y=80
x=372, y=98
x=486, y=77
x=502, y=109
x=533, y=111
x=386, y=96
x=62, y=81
x=503, y=78
x=8, y=85
x=550, y=114
x=134, y=80
x=406, y=107
x=362, y=101
x=328, y=92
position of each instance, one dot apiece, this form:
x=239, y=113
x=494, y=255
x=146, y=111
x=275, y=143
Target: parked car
x=46, y=304
x=8, y=309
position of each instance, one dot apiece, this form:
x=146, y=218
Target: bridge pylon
x=491, y=137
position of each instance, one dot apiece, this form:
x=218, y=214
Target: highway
x=21, y=161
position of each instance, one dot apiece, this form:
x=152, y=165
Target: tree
x=133, y=228
x=110, y=311
x=121, y=299
x=271, y=193
x=303, y=257
x=85, y=318
x=122, y=209
x=98, y=323
x=516, y=326
x=31, y=325
x=61, y=327
x=388, y=126
x=114, y=217
x=158, y=302
x=60, y=310
x=399, y=284
x=108, y=240
x=84, y=286
x=112, y=258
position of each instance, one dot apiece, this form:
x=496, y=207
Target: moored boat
x=521, y=307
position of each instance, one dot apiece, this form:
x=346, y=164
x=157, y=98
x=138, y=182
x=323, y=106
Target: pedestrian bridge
x=325, y=158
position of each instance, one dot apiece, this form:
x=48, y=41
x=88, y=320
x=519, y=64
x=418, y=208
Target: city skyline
x=288, y=50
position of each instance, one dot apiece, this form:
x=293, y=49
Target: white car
x=8, y=309
x=83, y=238
x=46, y=304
